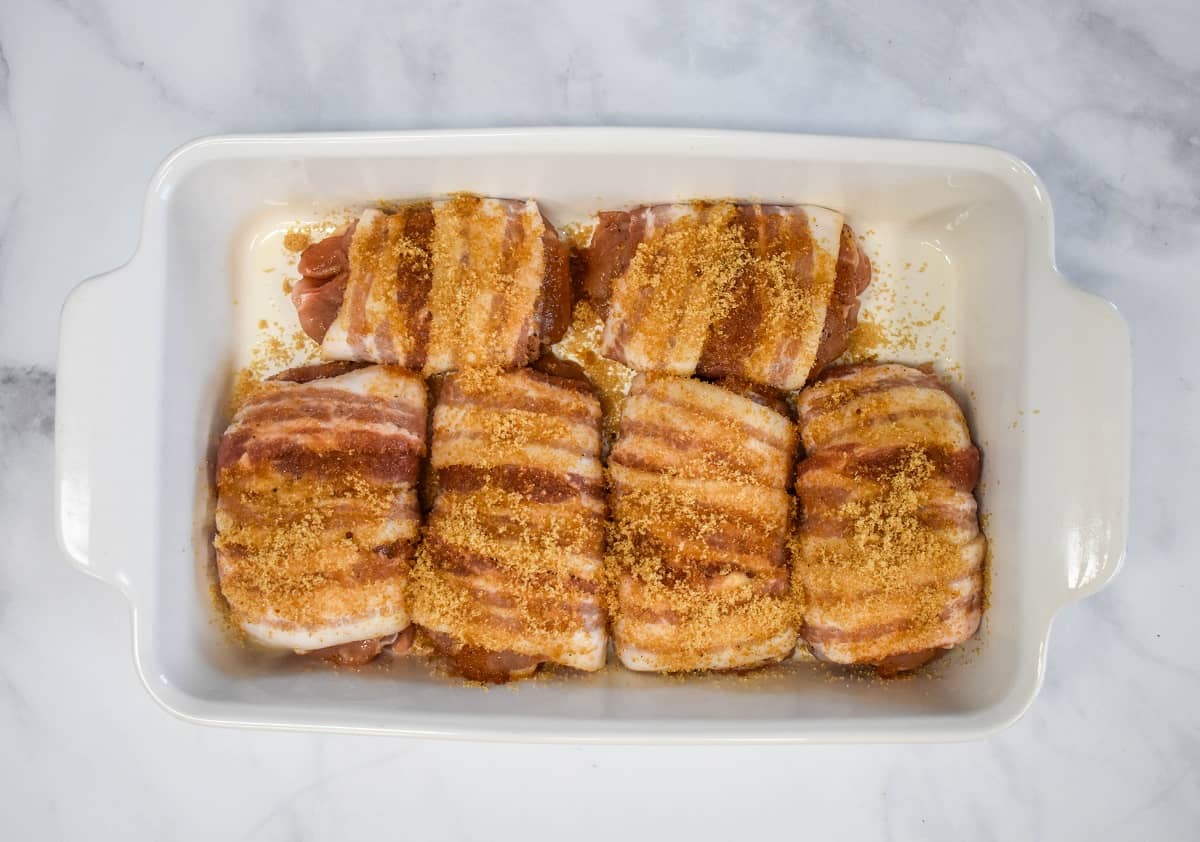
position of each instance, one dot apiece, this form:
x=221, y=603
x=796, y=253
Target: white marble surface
x=1103, y=98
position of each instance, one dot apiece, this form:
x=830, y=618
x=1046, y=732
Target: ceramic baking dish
x=148, y=353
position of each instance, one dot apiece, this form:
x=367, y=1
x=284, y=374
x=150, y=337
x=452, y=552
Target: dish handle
x=1083, y=387
x=99, y=468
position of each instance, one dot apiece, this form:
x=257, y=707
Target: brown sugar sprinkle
x=301, y=553
x=866, y=341
x=792, y=310
x=889, y=549
x=505, y=437
x=724, y=456
x=686, y=274
x=736, y=623
x=378, y=251
x=536, y=537
x=274, y=350
x=389, y=270
x=542, y=558
x=300, y=235
x=903, y=317
x=247, y=384
x=654, y=508
x=478, y=381
x=612, y=381
x=660, y=558
x=296, y=240
x=581, y=344
x=494, y=272
x=886, y=530
x=270, y=354
x=279, y=568
x=545, y=604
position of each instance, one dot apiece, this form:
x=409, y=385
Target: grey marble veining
x=1101, y=97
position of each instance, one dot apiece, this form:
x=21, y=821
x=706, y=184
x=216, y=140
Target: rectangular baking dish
x=148, y=351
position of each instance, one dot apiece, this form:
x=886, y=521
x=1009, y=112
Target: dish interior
x=950, y=247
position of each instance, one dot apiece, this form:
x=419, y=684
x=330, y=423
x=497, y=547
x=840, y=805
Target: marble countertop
x=1101, y=97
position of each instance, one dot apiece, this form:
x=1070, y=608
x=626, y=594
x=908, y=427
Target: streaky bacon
x=890, y=464
x=317, y=512
x=784, y=315
x=701, y=519
x=510, y=573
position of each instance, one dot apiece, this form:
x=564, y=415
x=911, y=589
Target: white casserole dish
x=148, y=351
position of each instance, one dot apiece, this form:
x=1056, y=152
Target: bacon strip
x=699, y=496
x=889, y=549
x=436, y=286
x=317, y=513
x=762, y=293
x=509, y=574
x=384, y=316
